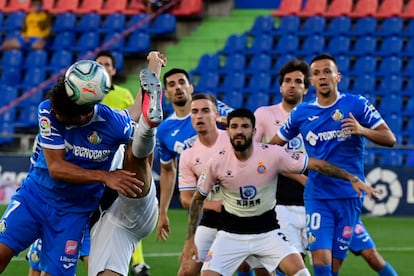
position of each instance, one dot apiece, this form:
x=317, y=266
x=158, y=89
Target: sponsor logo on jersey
x=343, y=247
x=261, y=168
x=338, y=134
x=347, y=232
x=93, y=154
x=175, y=132
x=69, y=265
x=94, y=138
x=313, y=118
x=71, y=247
x=44, y=125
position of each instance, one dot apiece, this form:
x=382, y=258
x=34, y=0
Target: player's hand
x=124, y=182
x=188, y=255
x=359, y=186
x=157, y=56
x=351, y=126
x=163, y=229
x=222, y=120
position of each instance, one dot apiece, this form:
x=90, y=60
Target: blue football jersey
x=90, y=146
x=320, y=127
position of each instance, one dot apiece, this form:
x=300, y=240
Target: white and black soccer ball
x=87, y=82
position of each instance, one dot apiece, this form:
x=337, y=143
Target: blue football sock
x=387, y=270
x=279, y=273
x=322, y=270
x=335, y=273
x=249, y=273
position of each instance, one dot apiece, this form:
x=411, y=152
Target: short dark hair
x=175, y=71
x=204, y=96
x=324, y=56
x=107, y=53
x=295, y=65
x=62, y=104
x=241, y=113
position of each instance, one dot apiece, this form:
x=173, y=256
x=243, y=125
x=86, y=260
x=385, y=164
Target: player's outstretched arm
x=334, y=171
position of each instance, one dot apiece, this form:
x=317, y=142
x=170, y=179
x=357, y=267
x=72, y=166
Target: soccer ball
x=87, y=82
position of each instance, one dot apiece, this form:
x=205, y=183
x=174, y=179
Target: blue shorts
x=331, y=223
x=28, y=218
x=361, y=239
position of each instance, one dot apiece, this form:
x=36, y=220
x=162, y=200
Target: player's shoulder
x=266, y=109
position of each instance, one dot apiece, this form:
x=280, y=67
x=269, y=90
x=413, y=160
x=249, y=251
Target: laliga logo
x=387, y=183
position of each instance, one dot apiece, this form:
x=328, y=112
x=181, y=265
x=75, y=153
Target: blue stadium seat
x=139, y=22
x=10, y=75
x=408, y=48
x=392, y=45
x=33, y=77
x=35, y=58
x=60, y=60
x=288, y=25
x=390, y=84
x=409, y=29
x=408, y=68
x=281, y=60
x=262, y=43
x=12, y=58
x=27, y=117
x=344, y=64
x=114, y=22
x=13, y=22
x=114, y=42
x=233, y=63
x=163, y=24
x=6, y=133
x=207, y=63
x=207, y=81
x=259, y=63
x=314, y=25
x=339, y=45
x=235, y=43
x=8, y=94
x=364, y=65
x=233, y=98
x=259, y=82
x=262, y=24
x=89, y=22
x=365, y=26
x=364, y=45
x=408, y=110
x=120, y=62
x=391, y=104
x=138, y=42
x=233, y=81
x=88, y=41
x=312, y=45
x=389, y=157
x=287, y=44
x=363, y=84
x=408, y=88
x=63, y=41
x=256, y=100
x=340, y=25
x=64, y=22
x=343, y=85
x=394, y=121
x=390, y=65
x=391, y=26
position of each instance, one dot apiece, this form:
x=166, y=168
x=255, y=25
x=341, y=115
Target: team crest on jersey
x=44, y=125
x=94, y=138
x=208, y=257
x=261, y=168
x=311, y=238
x=337, y=115
x=3, y=226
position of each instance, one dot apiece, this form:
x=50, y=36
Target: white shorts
x=117, y=233
x=203, y=239
x=292, y=221
x=229, y=250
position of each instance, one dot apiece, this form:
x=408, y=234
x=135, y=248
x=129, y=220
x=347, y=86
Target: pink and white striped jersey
x=248, y=187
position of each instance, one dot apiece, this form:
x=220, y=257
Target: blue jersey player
x=76, y=145
x=334, y=127
x=174, y=135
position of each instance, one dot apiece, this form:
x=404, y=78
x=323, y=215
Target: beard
x=242, y=146
x=180, y=102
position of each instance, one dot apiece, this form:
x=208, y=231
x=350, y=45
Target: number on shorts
x=13, y=205
x=313, y=221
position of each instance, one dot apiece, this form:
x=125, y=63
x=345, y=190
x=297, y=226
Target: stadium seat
x=259, y=63
x=363, y=84
x=389, y=8
x=233, y=63
x=114, y=6
x=288, y=7
x=33, y=77
x=408, y=12
x=259, y=82
x=138, y=42
x=288, y=25
x=262, y=43
x=64, y=6
x=344, y=63
x=139, y=22
x=392, y=45
x=88, y=22
x=233, y=81
x=339, y=26
x=408, y=88
x=88, y=41
x=63, y=41
x=12, y=58
x=365, y=45
x=27, y=117
x=312, y=45
x=207, y=81
x=163, y=24
x=339, y=45
x=364, y=8
x=313, y=8
x=59, y=60
x=394, y=121
x=390, y=84
x=3, y=4
x=235, y=43
x=364, y=65
x=390, y=65
x=135, y=7
x=280, y=61
x=287, y=44
x=409, y=107
x=256, y=100
x=233, y=98
x=64, y=22
x=313, y=25
x=408, y=31
x=10, y=75
x=389, y=157
x=408, y=48
x=391, y=26
x=6, y=133
x=114, y=22
x=343, y=85
x=36, y=58
x=48, y=5
x=13, y=22
x=364, y=26
x=120, y=62
x=17, y=6
x=113, y=42
x=9, y=93
x=90, y=6
x=391, y=103
x=262, y=24
x=339, y=8
x=207, y=63
x=408, y=68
